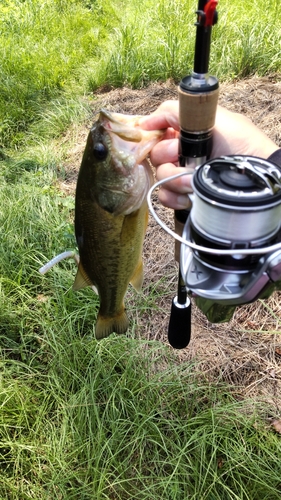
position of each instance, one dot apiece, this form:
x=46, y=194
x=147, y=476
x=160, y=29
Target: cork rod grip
x=197, y=111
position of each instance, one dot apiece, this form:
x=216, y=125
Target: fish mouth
x=126, y=134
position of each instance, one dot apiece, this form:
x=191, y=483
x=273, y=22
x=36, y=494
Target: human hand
x=233, y=134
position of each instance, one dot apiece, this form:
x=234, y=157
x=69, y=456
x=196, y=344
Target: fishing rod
x=198, y=97
x=228, y=244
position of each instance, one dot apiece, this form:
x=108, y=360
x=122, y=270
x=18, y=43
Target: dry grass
x=246, y=351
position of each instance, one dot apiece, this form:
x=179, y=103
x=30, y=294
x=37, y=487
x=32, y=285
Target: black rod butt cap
x=179, y=330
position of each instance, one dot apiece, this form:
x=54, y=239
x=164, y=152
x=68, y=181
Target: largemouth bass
x=111, y=214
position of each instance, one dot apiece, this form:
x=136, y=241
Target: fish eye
x=100, y=151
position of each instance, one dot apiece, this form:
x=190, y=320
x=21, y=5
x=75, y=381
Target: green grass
x=42, y=49
x=52, y=53
x=82, y=419
x=120, y=418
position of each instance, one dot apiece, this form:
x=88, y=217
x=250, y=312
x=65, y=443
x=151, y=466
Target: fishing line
x=213, y=251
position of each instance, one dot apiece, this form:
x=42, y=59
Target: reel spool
x=231, y=242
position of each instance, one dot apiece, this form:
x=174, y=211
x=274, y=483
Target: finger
x=173, y=200
x=167, y=115
x=181, y=185
x=166, y=151
x=160, y=121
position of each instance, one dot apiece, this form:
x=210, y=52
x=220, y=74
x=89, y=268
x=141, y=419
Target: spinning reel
x=231, y=242
x=236, y=208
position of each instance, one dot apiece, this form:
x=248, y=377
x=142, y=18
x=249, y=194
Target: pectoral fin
x=81, y=279
x=137, y=278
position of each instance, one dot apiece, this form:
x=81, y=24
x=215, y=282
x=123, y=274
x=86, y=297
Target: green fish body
x=111, y=214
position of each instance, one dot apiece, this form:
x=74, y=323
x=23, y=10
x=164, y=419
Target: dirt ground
x=247, y=350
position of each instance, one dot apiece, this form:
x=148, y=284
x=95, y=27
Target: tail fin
x=107, y=325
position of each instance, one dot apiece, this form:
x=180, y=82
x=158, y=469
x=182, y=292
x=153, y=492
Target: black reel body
x=236, y=217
